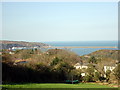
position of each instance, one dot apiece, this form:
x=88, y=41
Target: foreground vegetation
x=56, y=66
x=57, y=85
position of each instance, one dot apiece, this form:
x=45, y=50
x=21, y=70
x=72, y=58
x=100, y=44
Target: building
x=79, y=66
x=11, y=52
x=83, y=74
x=85, y=66
x=15, y=48
x=111, y=68
x=20, y=61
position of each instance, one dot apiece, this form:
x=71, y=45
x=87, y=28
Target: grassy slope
x=53, y=85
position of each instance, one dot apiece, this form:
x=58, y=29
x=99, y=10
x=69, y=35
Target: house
x=20, y=61
x=15, y=48
x=79, y=66
x=111, y=68
x=83, y=74
x=85, y=66
x=108, y=67
x=11, y=52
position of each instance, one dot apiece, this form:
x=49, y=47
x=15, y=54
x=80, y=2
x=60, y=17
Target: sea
x=84, y=51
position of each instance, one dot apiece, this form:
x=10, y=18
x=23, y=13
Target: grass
x=56, y=85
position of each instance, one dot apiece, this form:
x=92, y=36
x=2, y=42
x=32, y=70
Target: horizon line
x=58, y=41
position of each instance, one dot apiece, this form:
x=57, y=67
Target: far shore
x=79, y=47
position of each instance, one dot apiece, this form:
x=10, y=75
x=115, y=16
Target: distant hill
x=9, y=44
x=113, y=54
x=103, y=57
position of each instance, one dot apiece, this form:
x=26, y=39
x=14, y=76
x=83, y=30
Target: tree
x=117, y=73
x=96, y=76
x=32, y=51
x=92, y=60
x=24, y=54
x=74, y=74
x=90, y=73
x=113, y=78
x=108, y=75
x=88, y=78
x=64, y=69
x=55, y=61
x=90, y=70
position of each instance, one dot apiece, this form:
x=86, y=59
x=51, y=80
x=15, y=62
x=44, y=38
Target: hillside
x=54, y=65
x=106, y=57
x=10, y=44
x=113, y=54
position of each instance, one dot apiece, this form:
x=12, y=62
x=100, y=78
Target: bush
x=88, y=78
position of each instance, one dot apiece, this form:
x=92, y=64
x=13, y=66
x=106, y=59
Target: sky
x=59, y=21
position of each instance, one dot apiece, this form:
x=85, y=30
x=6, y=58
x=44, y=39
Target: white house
x=78, y=66
x=85, y=66
x=13, y=48
x=11, y=52
x=83, y=74
x=111, y=68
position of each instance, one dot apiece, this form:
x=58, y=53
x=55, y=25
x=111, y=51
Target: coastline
x=80, y=47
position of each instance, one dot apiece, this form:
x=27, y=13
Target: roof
x=18, y=61
x=84, y=64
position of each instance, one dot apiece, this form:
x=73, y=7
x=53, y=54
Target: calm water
x=83, y=51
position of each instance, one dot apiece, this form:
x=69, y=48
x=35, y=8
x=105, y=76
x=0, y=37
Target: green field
x=56, y=85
